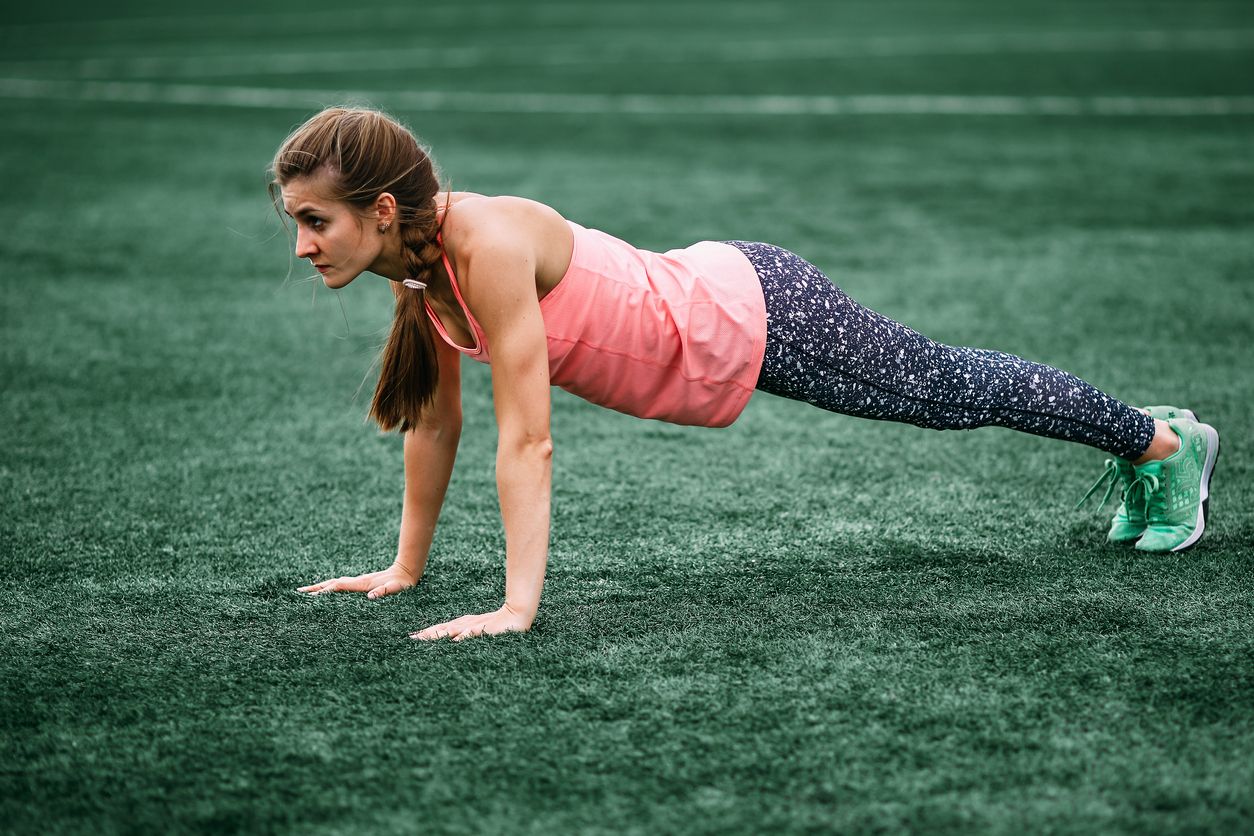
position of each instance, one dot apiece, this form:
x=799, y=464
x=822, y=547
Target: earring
x=383, y=228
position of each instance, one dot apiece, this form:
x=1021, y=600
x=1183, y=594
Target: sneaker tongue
x=1154, y=468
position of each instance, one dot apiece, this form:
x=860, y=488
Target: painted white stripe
x=376, y=17
x=448, y=101
x=652, y=51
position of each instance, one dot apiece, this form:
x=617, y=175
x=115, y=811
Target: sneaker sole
x=1203, y=507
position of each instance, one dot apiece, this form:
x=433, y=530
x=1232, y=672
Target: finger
x=361, y=583
x=313, y=587
x=435, y=631
x=462, y=625
x=472, y=632
x=449, y=627
x=476, y=629
x=329, y=586
x=452, y=628
x=386, y=589
x=430, y=634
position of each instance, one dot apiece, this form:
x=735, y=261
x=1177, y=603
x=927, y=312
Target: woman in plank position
x=685, y=336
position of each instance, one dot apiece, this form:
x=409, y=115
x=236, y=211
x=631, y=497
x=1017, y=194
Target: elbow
x=529, y=446
x=540, y=447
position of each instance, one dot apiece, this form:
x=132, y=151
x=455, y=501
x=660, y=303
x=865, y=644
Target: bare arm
x=430, y=450
x=524, y=470
x=500, y=287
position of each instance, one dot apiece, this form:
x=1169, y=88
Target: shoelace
x=1143, y=488
x=1110, y=476
x=1146, y=484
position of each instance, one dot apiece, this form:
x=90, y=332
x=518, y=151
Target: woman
x=686, y=336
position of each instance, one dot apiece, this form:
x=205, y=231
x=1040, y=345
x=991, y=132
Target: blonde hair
x=357, y=154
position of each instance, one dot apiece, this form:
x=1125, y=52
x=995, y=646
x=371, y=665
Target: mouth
x=322, y=268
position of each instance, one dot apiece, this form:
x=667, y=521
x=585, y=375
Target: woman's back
x=677, y=336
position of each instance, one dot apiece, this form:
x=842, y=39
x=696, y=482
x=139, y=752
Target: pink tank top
x=677, y=336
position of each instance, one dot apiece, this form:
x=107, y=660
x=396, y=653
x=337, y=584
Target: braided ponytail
x=409, y=370
x=358, y=154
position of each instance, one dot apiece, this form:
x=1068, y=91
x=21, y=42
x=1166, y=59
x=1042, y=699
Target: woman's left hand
x=503, y=620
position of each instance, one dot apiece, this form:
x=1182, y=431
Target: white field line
x=447, y=101
x=653, y=52
x=414, y=15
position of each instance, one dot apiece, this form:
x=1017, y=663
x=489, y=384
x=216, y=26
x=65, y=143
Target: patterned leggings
x=824, y=348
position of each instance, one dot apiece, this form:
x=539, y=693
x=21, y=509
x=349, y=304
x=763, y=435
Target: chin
x=335, y=282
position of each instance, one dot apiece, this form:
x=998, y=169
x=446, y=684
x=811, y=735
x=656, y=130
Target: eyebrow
x=303, y=210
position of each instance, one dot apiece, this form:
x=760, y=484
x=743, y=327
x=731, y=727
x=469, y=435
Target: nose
x=305, y=246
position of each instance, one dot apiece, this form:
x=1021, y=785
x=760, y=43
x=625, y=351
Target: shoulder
x=478, y=220
x=483, y=234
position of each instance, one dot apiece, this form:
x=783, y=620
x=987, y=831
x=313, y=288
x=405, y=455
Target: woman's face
x=329, y=233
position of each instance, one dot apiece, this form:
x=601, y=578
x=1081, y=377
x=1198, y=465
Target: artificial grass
x=802, y=623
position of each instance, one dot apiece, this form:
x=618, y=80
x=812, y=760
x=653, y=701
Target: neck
x=390, y=263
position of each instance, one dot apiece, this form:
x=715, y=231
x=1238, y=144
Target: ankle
x=1166, y=442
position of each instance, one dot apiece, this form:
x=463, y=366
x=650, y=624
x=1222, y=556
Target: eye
x=316, y=223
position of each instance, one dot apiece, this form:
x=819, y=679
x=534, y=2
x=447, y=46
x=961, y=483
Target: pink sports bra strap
x=470, y=322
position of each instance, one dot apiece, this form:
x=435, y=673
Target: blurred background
x=802, y=622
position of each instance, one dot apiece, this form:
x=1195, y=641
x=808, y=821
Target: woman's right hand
x=375, y=584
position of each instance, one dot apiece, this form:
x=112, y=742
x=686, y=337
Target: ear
x=385, y=208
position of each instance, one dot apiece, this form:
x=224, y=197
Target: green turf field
x=805, y=623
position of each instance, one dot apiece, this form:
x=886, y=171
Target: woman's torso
x=678, y=336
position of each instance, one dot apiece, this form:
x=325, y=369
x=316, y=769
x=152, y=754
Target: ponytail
x=409, y=370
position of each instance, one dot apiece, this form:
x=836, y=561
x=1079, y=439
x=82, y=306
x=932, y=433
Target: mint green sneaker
x=1166, y=413
x=1128, y=524
x=1176, y=489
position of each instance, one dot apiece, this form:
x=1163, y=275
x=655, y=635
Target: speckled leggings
x=824, y=348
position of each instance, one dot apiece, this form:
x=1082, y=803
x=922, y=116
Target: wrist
x=522, y=611
x=410, y=572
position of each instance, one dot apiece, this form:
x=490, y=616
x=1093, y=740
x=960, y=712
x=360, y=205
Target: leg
x=824, y=348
